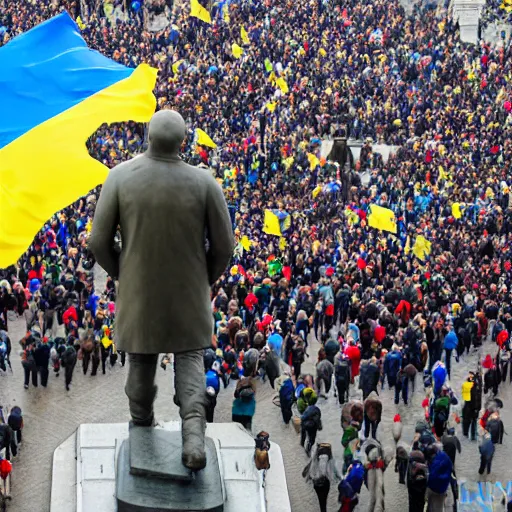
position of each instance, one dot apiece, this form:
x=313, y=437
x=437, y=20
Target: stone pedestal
x=151, y=478
x=85, y=466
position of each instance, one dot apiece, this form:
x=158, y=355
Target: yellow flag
x=236, y=50
x=225, y=14
x=271, y=106
x=203, y=139
x=316, y=191
x=246, y=243
x=176, y=66
x=281, y=83
x=407, y=248
x=288, y=162
x=80, y=23
x=282, y=244
x=200, y=12
x=244, y=36
x=314, y=162
x=382, y=218
x=456, y=211
x=271, y=224
x=422, y=247
x=442, y=173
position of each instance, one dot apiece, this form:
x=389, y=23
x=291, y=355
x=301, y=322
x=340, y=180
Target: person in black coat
x=369, y=375
x=42, y=358
x=311, y=423
x=7, y=441
x=68, y=360
x=342, y=378
x=15, y=421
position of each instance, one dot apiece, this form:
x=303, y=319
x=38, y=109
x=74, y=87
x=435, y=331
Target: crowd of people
x=383, y=312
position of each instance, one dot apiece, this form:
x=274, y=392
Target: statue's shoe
x=193, y=454
x=195, y=460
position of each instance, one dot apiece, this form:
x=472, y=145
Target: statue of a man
x=165, y=209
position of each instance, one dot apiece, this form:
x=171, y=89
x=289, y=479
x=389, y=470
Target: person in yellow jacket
x=468, y=408
x=106, y=347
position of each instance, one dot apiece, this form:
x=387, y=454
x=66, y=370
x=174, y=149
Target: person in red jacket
x=354, y=354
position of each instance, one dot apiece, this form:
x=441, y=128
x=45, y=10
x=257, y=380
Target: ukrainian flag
x=54, y=93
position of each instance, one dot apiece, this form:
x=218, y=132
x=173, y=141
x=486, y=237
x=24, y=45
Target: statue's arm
x=220, y=232
x=106, y=221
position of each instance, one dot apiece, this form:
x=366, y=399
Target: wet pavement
x=53, y=414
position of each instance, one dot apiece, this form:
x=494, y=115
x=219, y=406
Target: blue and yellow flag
x=54, y=93
x=271, y=224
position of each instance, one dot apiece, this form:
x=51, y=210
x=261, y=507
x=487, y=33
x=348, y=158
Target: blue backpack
x=298, y=390
x=287, y=391
x=212, y=379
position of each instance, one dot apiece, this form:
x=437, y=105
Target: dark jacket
x=342, y=371
x=392, y=365
x=312, y=418
x=451, y=445
x=487, y=448
x=495, y=428
x=476, y=394
x=369, y=375
x=42, y=355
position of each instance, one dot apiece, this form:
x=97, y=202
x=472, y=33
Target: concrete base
x=142, y=493
x=84, y=470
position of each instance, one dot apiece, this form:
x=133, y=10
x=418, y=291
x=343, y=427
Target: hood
x=440, y=471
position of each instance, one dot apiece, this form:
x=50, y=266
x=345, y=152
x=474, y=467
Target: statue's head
x=166, y=133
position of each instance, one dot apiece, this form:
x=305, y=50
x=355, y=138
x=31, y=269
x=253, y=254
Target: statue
x=164, y=207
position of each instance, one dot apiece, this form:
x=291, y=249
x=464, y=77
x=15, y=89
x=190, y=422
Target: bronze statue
x=164, y=207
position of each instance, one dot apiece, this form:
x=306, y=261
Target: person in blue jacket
x=439, y=478
x=392, y=365
x=450, y=343
x=212, y=390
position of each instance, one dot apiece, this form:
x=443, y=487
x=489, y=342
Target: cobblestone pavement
x=52, y=414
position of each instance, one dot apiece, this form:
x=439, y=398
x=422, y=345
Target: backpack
x=298, y=390
x=323, y=467
x=286, y=392
x=417, y=472
x=426, y=439
x=341, y=371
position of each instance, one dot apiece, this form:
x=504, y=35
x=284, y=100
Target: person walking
x=372, y=415
x=417, y=478
x=439, y=479
x=486, y=453
x=244, y=404
x=68, y=361
x=450, y=344
x=286, y=398
x=451, y=445
x=42, y=360
x=212, y=390
x=311, y=423
x=297, y=356
x=29, y=363
x=342, y=377
x=321, y=471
